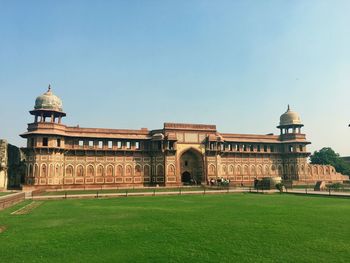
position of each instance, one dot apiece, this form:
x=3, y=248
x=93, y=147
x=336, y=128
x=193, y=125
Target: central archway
x=191, y=167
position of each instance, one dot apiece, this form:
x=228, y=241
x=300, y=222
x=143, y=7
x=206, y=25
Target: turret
x=290, y=122
x=48, y=107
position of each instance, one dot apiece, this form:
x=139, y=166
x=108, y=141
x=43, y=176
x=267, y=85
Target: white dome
x=48, y=101
x=290, y=118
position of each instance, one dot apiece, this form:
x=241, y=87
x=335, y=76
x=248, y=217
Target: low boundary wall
x=11, y=199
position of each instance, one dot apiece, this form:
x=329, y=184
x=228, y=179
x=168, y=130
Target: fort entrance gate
x=191, y=168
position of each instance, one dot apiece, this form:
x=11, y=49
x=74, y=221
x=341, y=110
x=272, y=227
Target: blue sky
x=133, y=64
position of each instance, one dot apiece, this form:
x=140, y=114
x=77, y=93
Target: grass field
x=130, y=190
x=204, y=228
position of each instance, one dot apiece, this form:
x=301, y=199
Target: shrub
x=280, y=187
x=335, y=186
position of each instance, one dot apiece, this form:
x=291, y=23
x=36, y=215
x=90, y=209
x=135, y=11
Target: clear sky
x=133, y=64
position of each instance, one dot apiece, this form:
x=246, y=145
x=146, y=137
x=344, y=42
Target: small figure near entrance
x=188, y=179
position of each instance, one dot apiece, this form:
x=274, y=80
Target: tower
x=45, y=141
x=293, y=143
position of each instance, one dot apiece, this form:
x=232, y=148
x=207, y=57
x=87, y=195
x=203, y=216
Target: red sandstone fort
x=61, y=156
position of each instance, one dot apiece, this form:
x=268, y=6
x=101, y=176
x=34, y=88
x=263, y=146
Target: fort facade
x=57, y=155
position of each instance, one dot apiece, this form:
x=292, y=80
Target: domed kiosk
x=290, y=122
x=48, y=105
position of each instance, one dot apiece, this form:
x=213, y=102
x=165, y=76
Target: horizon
x=128, y=65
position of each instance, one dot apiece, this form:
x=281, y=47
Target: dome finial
x=288, y=108
x=49, y=88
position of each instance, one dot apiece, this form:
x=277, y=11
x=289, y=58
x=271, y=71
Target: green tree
x=329, y=157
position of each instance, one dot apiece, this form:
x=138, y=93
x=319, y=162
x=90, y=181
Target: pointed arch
x=260, y=170
x=231, y=169
x=273, y=169
x=252, y=169
x=309, y=170
x=128, y=170
x=69, y=170
x=110, y=170
x=321, y=170
x=171, y=169
x=160, y=170
x=119, y=171
x=245, y=169
x=146, y=170
x=43, y=172
x=90, y=170
x=292, y=169
x=266, y=170
x=138, y=170
x=211, y=169
x=100, y=170
x=57, y=170
x=327, y=170
x=30, y=170
x=80, y=170
x=239, y=170
x=51, y=170
x=36, y=170
x=223, y=169
x=280, y=170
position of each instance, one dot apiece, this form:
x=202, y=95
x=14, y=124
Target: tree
x=328, y=156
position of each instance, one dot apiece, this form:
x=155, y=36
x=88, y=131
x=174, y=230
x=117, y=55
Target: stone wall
x=12, y=167
x=3, y=165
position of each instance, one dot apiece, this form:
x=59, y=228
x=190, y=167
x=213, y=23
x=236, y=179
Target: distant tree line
x=329, y=157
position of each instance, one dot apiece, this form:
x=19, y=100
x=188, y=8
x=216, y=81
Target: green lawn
x=110, y=191
x=201, y=228
x=132, y=190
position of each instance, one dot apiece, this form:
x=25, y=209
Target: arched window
x=36, y=170
x=30, y=170
x=239, y=170
x=321, y=170
x=137, y=170
x=80, y=171
x=252, y=170
x=211, y=169
x=224, y=169
x=273, y=169
x=280, y=170
x=171, y=170
x=110, y=170
x=267, y=170
x=292, y=169
x=128, y=170
x=69, y=171
x=52, y=170
x=160, y=170
x=119, y=170
x=100, y=170
x=43, y=170
x=57, y=173
x=146, y=170
x=246, y=169
x=260, y=170
x=90, y=171
x=231, y=171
